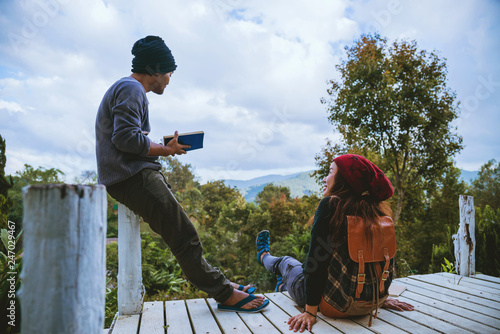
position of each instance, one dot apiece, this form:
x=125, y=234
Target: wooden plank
x=201, y=317
x=229, y=322
x=279, y=317
x=393, y=322
x=177, y=318
x=442, y=321
x=126, y=324
x=466, y=304
x=487, y=278
x=341, y=325
x=472, y=280
x=380, y=325
x=447, y=292
x=152, y=321
x=445, y=305
x=439, y=281
x=258, y=323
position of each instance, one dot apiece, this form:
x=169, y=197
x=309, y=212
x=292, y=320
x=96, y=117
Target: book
x=194, y=139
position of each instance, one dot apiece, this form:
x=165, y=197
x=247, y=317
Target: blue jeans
x=148, y=195
x=291, y=271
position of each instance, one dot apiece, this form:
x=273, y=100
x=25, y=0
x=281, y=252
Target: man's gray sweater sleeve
x=127, y=115
x=122, y=123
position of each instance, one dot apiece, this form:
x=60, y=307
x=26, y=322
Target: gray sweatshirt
x=121, y=129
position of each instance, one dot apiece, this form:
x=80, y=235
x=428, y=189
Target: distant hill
x=300, y=184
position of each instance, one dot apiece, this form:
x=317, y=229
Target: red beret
x=363, y=175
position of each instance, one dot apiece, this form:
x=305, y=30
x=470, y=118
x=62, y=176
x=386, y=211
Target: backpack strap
x=361, y=273
x=385, y=274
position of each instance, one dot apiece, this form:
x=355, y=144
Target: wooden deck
x=444, y=303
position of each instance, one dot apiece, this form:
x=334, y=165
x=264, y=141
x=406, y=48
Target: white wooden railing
x=130, y=288
x=465, y=240
x=64, y=260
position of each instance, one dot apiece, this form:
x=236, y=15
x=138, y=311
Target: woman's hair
x=345, y=201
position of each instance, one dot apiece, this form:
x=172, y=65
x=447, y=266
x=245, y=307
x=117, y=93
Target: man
x=127, y=165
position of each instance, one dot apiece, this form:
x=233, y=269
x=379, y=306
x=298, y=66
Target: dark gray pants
x=148, y=195
x=291, y=271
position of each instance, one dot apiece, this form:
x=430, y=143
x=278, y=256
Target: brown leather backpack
x=381, y=248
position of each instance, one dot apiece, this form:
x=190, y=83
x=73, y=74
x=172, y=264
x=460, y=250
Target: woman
x=328, y=280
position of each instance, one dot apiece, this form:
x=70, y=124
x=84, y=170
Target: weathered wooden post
x=130, y=288
x=465, y=240
x=64, y=260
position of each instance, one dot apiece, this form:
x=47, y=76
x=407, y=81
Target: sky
x=250, y=74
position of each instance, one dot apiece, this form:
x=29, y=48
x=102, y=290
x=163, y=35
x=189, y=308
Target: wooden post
x=465, y=240
x=130, y=288
x=64, y=261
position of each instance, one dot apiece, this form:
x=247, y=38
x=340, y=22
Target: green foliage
x=179, y=176
x=486, y=188
x=271, y=193
x=392, y=100
x=111, y=306
x=215, y=195
x=487, y=234
x=448, y=267
x=29, y=176
x=5, y=185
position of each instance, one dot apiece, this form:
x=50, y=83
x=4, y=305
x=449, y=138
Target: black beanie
x=152, y=56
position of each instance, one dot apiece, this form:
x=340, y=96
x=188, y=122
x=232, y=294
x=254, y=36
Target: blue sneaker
x=279, y=283
x=262, y=244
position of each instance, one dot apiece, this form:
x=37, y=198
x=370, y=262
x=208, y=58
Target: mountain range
x=300, y=184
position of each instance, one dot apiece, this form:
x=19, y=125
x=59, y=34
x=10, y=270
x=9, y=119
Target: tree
x=5, y=185
x=29, y=176
x=486, y=188
x=394, y=101
x=270, y=193
x=216, y=195
x=179, y=176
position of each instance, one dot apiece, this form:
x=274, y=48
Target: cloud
x=250, y=74
x=10, y=107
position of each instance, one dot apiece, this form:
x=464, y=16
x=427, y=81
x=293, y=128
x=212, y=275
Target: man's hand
x=397, y=305
x=175, y=147
x=172, y=148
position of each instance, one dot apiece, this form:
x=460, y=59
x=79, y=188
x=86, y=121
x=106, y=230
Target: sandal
x=250, y=290
x=237, y=307
x=262, y=244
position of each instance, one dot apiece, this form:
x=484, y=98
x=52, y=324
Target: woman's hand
x=301, y=322
x=397, y=305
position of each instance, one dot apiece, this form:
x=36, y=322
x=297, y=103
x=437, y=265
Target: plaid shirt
x=329, y=271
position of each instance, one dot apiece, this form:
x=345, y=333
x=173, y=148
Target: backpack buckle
x=361, y=278
x=385, y=274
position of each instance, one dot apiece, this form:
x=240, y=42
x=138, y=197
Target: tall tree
x=486, y=188
x=393, y=100
x=5, y=185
